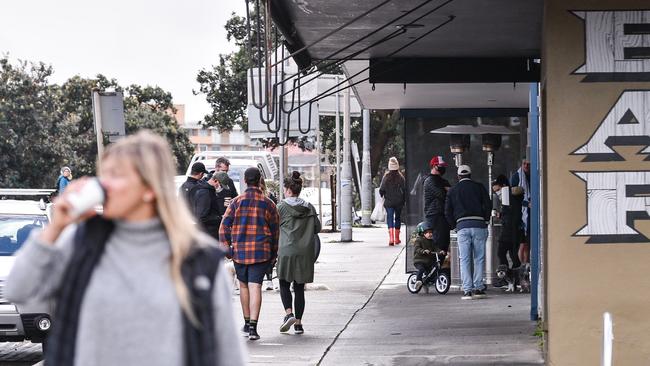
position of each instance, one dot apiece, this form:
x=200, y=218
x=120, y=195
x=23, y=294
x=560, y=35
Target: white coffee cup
x=90, y=195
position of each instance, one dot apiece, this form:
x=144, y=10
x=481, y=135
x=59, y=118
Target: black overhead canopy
x=457, y=41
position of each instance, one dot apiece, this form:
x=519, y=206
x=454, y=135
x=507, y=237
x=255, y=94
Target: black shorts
x=252, y=273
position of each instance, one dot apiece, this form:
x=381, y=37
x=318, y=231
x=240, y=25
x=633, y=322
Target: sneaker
x=479, y=294
x=297, y=328
x=269, y=285
x=467, y=295
x=252, y=335
x=245, y=329
x=287, y=323
x=418, y=285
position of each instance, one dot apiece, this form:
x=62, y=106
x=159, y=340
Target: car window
x=14, y=230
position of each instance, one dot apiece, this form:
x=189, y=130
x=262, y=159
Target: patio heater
x=459, y=142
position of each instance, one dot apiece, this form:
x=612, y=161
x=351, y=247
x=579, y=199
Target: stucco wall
x=584, y=280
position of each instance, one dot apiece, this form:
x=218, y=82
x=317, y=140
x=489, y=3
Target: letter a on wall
x=626, y=124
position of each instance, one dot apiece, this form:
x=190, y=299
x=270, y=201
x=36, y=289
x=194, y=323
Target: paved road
x=19, y=354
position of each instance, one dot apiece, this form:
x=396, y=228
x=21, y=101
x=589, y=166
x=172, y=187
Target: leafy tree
x=45, y=126
x=29, y=125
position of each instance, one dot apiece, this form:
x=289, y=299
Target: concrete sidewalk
x=362, y=314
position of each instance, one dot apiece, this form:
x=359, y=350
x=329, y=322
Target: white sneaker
x=269, y=285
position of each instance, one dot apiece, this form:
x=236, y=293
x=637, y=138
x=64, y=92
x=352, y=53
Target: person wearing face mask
x=435, y=194
x=208, y=203
x=141, y=265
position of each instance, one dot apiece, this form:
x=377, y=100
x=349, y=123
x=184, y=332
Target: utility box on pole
x=108, y=111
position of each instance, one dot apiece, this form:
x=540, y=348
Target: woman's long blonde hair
x=152, y=158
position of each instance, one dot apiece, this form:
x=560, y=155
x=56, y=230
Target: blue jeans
x=394, y=217
x=471, y=244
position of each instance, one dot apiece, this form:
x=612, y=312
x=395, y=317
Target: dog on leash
x=508, y=276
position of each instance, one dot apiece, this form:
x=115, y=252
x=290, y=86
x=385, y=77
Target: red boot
x=396, y=233
x=390, y=236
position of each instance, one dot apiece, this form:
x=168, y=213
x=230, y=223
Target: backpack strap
x=199, y=271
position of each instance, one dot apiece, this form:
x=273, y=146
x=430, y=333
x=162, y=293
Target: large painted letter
x=627, y=123
x=614, y=201
x=617, y=45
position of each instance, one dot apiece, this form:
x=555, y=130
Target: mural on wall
x=626, y=124
x=617, y=45
x=617, y=48
x=614, y=201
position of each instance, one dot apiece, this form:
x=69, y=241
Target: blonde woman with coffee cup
x=137, y=285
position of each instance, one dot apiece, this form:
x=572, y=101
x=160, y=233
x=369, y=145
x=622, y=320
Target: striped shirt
x=251, y=226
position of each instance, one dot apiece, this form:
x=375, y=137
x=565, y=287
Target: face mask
x=499, y=194
x=219, y=189
x=441, y=170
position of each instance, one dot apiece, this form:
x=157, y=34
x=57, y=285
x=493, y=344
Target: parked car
x=267, y=163
x=18, y=217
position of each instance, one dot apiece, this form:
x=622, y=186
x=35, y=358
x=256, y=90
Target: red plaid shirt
x=251, y=226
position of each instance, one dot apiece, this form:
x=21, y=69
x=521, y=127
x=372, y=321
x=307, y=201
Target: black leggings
x=505, y=247
x=285, y=294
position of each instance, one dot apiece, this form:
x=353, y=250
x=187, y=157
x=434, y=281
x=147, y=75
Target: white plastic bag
x=379, y=212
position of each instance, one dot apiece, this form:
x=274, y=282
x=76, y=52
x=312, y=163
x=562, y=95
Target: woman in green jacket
x=299, y=225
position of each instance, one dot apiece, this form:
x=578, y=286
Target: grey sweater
x=129, y=314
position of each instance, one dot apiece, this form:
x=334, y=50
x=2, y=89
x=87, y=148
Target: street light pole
x=346, y=174
x=366, y=176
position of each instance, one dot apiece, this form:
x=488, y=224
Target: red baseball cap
x=437, y=160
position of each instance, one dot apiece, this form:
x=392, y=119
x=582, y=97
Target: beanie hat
x=393, y=164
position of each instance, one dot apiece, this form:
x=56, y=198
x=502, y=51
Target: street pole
x=283, y=158
x=318, y=177
x=346, y=173
x=338, y=154
x=489, y=270
x=98, y=123
x=366, y=176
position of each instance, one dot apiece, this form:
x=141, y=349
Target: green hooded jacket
x=296, y=254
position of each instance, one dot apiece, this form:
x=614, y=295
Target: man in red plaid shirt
x=250, y=227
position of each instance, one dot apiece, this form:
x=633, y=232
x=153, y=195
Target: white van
x=264, y=158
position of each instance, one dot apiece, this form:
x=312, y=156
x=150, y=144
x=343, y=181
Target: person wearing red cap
x=435, y=193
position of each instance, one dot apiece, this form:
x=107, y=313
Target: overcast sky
x=162, y=42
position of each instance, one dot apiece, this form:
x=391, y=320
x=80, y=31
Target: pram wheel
x=442, y=283
x=410, y=284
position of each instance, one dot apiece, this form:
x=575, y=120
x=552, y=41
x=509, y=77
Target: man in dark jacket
x=208, y=204
x=435, y=193
x=196, y=173
x=468, y=209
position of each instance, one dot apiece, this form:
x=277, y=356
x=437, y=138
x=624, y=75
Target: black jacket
x=393, y=192
x=208, y=208
x=467, y=199
x=186, y=187
x=435, y=195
